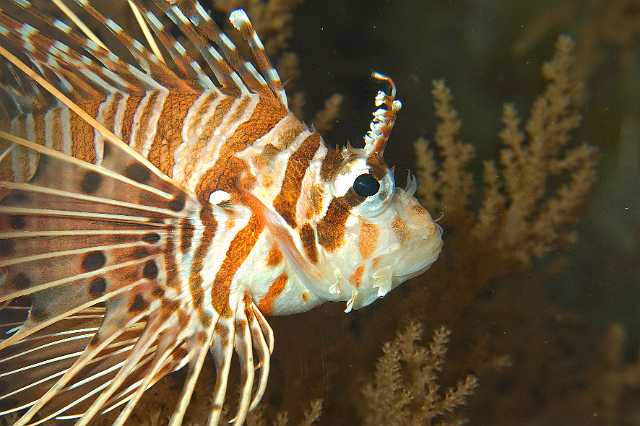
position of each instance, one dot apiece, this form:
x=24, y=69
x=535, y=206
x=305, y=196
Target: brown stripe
x=19, y=154
x=236, y=254
x=275, y=256
x=138, y=144
x=56, y=128
x=275, y=289
x=308, y=238
x=288, y=132
x=169, y=132
x=377, y=166
x=223, y=175
x=186, y=236
x=316, y=201
x=368, y=238
x=127, y=120
x=196, y=287
x=285, y=202
x=356, y=277
x=222, y=109
x=331, y=164
x=109, y=113
x=198, y=116
x=400, y=228
x=39, y=128
x=331, y=227
x=82, y=133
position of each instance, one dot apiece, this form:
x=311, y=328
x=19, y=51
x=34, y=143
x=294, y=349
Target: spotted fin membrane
x=93, y=311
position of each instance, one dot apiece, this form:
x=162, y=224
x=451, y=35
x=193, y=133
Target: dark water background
x=488, y=53
x=569, y=323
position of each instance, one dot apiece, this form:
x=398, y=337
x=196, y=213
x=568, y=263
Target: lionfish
x=155, y=209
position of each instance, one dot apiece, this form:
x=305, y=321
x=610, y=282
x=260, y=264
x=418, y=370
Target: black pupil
x=366, y=185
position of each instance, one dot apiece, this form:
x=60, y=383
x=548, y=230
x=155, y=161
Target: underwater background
x=522, y=123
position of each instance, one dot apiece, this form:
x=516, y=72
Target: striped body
x=210, y=142
x=148, y=206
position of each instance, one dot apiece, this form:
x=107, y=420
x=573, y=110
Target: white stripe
x=119, y=116
x=49, y=129
x=249, y=66
x=203, y=79
x=137, y=122
x=311, y=176
x=256, y=152
x=98, y=139
x=138, y=46
x=215, y=54
x=220, y=136
x=154, y=21
x=61, y=46
x=65, y=121
x=217, y=250
x=238, y=81
x=271, y=182
x=62, y=26
x=227, y=42
x=32, y=156
x=179, y=48
x=272, y=74
x=113, y=26
x=178, y=13
x=203, y=13
x=257, y=41
x=116, y=78
x=18, y=154
x=192, y=129
x=193, y=124
x=152, y=123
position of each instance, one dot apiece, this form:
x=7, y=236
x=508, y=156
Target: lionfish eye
x=366, y=185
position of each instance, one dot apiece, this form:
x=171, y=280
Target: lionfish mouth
x=421, y=257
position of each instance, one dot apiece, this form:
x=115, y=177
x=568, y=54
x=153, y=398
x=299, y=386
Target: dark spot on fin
x=94, y=260
x=16, y=197
x=139, y=253
x=95, y=339
x=150, y=270
x=177, y=203
x=151, y=238
x=91, y=182
x=21, y=281
x=137, y=172
x=38, y=314
x=138, y=304
x=18, y=222
x=7, y=247
x=97, y=287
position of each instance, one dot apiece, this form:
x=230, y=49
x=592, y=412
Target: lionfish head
x=388, y=236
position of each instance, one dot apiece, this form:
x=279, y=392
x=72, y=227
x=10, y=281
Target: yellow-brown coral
x=405, y=389
x=531, y=200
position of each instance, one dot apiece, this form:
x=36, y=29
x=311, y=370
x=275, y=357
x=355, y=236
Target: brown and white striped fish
x=158, y=208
